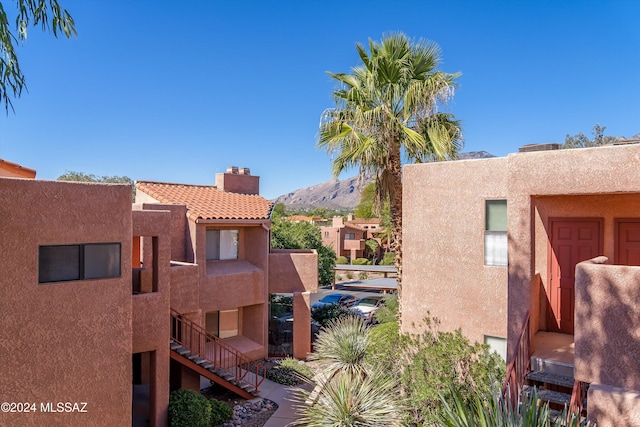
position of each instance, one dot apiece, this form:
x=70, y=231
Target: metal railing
x=211, y=348
x=519, y=365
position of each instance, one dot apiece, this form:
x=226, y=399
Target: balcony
x=293, y=271
x=351, y=245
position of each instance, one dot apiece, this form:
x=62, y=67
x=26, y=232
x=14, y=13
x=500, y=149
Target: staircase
x=192, y=346
x=553, y=381
x=555, y=385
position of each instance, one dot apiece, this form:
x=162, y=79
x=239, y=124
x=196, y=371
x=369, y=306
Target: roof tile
x=207, y=202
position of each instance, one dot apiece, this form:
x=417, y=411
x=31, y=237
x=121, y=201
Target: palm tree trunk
x=394, y=168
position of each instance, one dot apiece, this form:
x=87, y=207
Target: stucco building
x=491, y=246
x=101, y=299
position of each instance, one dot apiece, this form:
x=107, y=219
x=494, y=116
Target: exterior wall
x=301, y=325
x=151, y=310
x=60, y=340
x=180, y=239
x=590, y=171
x=607, y=341
x=443, y=246
x=293, y=271
x=185, y=287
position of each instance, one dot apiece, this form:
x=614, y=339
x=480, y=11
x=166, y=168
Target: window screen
x=495, y=235
x=61, y=263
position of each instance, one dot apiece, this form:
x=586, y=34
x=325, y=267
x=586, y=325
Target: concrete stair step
x=551, y=366
x=544, y=377
x=549, y=395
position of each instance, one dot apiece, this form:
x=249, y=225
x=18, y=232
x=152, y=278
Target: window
x=326, y=234
x=222, y=244
x=495, y=235
x=497, y=344
x=349, y=236
x=62, y=263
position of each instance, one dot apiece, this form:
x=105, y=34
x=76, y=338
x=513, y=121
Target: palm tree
x=386, y=109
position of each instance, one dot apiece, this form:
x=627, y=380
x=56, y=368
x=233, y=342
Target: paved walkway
x=282, y=395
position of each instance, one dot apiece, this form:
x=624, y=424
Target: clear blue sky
x=177, y=91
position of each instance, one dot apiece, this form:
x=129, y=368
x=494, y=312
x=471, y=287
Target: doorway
x=572, y=240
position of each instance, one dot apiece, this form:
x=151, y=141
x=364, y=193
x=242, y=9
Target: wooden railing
x=223, y=356
x=519, y=365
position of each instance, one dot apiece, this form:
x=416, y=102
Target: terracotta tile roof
x=14, y=169
x=207, y=202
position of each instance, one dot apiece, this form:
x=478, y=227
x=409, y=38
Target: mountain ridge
x=341, y=194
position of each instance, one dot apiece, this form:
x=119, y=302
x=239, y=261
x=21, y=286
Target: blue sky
x=177, y=91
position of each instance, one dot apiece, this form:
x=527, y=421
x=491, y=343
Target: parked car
x=367, y=307
x=345, y=300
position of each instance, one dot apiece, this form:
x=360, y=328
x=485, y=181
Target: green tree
x=387, y=109
x=278, y=211
x=47, y=14
x=302, y=235
x=114, y=179
x=580, y=140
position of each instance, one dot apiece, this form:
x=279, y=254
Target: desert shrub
x=328, y=312
x=349, y=275
x=363, y=276
x=388, y=259
x=342, y=260
x=221, y=412
x=436, y=366
x=361, y=261
x=188, y=408
x=389, y=310
x=289, y=371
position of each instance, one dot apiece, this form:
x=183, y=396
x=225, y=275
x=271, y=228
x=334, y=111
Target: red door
x=572, y=241
x=628, y=242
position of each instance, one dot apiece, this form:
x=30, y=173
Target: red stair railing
x=223, y=356
x=519, y=365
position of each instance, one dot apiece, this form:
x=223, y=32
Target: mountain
x=341, y=194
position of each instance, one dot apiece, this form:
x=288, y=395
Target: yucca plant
x=348, y=392
x=489, y=411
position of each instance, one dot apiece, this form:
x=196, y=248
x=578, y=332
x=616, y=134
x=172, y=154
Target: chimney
x=238, y=180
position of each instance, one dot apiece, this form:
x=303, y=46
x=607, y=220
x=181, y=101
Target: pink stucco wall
x=64, y=341
x=293, y=271
x=607, y=340
x=443, y=245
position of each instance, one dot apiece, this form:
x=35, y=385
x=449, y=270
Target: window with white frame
x=495, y=234
x=222, y=244
x=62, y=263
x=349, y=236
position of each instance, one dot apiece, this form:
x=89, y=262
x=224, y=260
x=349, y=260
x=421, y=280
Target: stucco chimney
x=337, y=222
x=238, y=180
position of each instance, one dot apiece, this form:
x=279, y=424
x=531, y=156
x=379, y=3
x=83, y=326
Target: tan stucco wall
x=302, y=324
x=293, y=271
x=589, y=171
x=443, y=247
x=613, y=407
x=185, y=287
x=607, y=335
x=67, y=341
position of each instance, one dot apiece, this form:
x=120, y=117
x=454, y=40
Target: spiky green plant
x=351, y=401
x=489, y=411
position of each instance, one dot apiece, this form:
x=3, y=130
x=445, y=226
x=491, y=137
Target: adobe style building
x=347, y=238
x=538, y=253
x=101, y=300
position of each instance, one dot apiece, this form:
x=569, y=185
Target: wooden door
x=627, y=242
x=572, y=241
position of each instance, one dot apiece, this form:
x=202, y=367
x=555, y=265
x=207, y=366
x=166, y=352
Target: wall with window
x=454, y=241
x=56, y=301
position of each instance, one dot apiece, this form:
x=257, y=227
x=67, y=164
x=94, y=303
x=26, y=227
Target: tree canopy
x=303, y=235
x=580, y=140
x=84, y=177
x=388, y=109
x=47, y=14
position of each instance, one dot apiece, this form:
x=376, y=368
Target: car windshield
x=368, y=302
x=331, y=298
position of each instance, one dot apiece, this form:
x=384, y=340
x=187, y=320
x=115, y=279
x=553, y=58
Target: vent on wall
x=539, y=147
